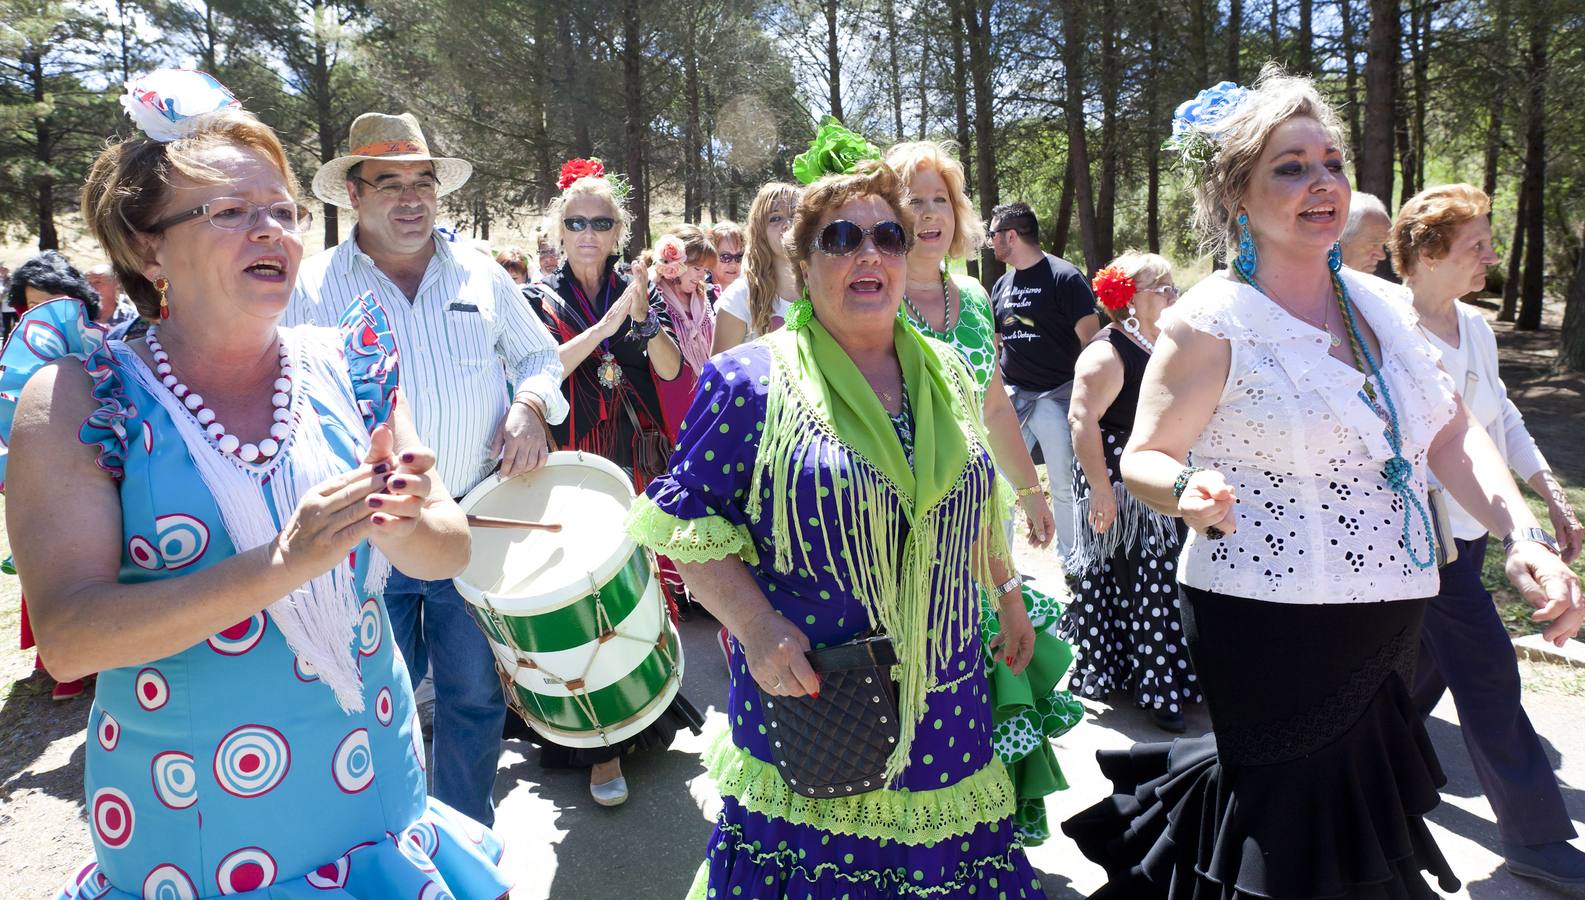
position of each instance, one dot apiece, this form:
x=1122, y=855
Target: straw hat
x=379, y=136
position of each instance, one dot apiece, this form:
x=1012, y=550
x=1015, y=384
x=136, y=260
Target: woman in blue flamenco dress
x=832, y=480
x=234, y=495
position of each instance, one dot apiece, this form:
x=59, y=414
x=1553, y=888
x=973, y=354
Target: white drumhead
x=531, y=571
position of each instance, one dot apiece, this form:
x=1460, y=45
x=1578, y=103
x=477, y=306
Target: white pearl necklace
x=225, y=440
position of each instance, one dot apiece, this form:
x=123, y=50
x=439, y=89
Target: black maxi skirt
x=1314, y=782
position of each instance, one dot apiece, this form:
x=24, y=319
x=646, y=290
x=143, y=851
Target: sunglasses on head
x=579, y=223
x=843, y=238
x=728, y=259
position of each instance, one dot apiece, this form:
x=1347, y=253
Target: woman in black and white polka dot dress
x=1124, y=621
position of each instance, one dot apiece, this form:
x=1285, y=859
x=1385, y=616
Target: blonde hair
x=128, y=183
x=513, y=261
x=1241, y=138
x=1147, y=270
x=1426, y=224
x=871, y=178
x=724, y=231
x=968, y=234
x=759, y=261
x=588, y=186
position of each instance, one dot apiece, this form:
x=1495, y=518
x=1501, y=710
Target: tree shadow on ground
x=30, y=722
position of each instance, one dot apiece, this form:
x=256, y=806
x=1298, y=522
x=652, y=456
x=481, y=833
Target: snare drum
x=575, y=617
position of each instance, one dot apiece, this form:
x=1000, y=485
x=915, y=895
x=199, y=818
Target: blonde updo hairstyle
x=968, y=234
x=1275, y=98
x=871, y=178
x=592, y=186
x=1426, y=224
x=1147, y=270
x=724, y=232
x=124, y=194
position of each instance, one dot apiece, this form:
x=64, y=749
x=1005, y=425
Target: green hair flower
x=836, y=151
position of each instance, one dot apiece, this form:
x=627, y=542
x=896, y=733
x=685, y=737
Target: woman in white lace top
x=1311, y=409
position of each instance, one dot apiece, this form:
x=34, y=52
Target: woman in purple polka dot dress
x=831, y=480
x=232, y=494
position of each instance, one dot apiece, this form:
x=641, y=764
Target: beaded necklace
x=947, y=318
x=1398, y=470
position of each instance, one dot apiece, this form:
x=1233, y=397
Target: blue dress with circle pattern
x=227, y=768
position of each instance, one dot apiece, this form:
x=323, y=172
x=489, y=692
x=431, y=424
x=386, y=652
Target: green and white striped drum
x=581, y=636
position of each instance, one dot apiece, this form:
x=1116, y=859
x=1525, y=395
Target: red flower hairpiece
x=1113, y=288
x=574, y=169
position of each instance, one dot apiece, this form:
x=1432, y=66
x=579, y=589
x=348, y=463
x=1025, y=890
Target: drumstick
x=493, y=522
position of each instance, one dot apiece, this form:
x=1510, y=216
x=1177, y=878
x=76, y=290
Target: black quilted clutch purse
x=838, y=745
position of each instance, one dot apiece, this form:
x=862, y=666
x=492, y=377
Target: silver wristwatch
x=1539, y=535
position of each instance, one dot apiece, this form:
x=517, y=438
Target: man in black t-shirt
x=1045, y=314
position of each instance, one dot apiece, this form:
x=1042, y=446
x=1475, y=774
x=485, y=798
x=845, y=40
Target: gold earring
x=163, y=284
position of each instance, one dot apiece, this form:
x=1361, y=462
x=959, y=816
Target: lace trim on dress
x=704, y=539
x=907, y=817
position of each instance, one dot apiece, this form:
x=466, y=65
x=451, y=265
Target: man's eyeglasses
x=727, y=259
x=236, y=214
x=579, y=223
x=842, y=238
x=550, y=252
x=425, y=188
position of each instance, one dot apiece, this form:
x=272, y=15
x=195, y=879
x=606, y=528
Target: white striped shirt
x=468, y=316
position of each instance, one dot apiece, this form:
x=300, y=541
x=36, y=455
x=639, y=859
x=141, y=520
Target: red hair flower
x=1113, y=288
x=574, y=169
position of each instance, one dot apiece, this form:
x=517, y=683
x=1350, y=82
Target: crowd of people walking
x=1271, y=494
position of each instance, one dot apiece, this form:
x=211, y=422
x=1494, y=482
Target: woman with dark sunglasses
x=833, y=480
x=617, y=347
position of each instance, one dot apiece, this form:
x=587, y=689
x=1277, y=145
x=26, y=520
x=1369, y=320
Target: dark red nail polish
x=375, y=501
x=398, y=483
x=408, y=457
x=382, y=468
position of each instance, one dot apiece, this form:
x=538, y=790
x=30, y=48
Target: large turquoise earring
x=1247, y=259
x=1334, y=257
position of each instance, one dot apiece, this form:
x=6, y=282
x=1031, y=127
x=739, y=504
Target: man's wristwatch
x=1539, y=535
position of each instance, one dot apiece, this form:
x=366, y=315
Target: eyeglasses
x=727, y=259
x=549, y=252
x=426, y=188
x=579, y=223
x=236, y=214
x=842, y=238
x=1165, y=290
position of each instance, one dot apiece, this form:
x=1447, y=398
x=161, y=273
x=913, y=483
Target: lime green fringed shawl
x=903, y=569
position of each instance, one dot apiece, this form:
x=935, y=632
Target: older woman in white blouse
x=1312, y=408
x=1441, y=248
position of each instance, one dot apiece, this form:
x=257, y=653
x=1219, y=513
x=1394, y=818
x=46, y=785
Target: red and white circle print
x=251, y=760
x=415, y=853
x=148, y=437
x=182, y=539
x=353, y=766
x=112, y=817
x=383, y=706
x=109, y=731
x=175, y=779
x=433, y=891
x=45, y=340
x=304, y=670
x=245, y=870
x=90, y=883
x=369, y=627
x=330, y=876
x=151, y=689
x=425, y=837
x=143, y=554
x=168, y=882
x=241, y=637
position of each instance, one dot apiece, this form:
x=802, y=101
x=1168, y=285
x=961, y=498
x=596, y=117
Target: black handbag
x=837, y=746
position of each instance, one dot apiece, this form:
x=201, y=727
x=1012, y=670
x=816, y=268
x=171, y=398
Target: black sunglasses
x=727, y=259
x=579, y=223
x=842, y=238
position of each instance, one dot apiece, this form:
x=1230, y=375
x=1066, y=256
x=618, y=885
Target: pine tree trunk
x=978, y=20
x=1153, y=141
x=43, y=151
x=1111, y=79
x=692, y=182
x=1421, y=68
x=1203, y=27
x=1495, y=105
x=1381, y=64
x=1351, y=83
x=1078, y=150
x=960, y=90
x=1235, y=36
x=1064, y=223
x=637, y=125
x=323, y=123
x=1534, y=187
x=833, y=57
x=544, y=175
x=1571, y=351
x=1305, y=55
x=895, y=76
x=1510, y=285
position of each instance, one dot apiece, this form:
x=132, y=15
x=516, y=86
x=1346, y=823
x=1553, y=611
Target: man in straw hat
x=455, y=314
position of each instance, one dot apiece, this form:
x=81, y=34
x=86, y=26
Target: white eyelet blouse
x=1304, y=452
